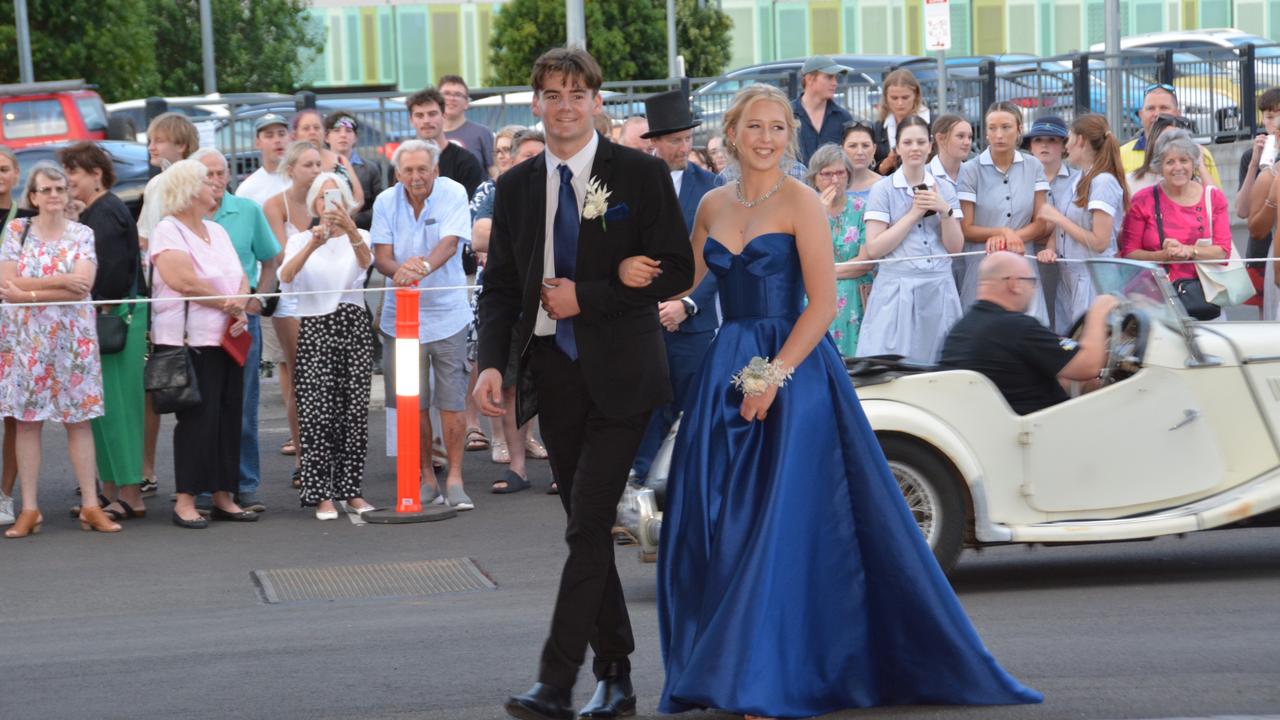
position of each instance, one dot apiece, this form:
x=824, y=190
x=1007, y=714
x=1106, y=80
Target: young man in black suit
x=592, y=361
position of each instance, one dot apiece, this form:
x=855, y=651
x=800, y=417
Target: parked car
x=1037, y=86
x=128, y=158
x=516, y=108
x=209, y=113
x=1208, y=95
x=1182, y=436
x=45, y=112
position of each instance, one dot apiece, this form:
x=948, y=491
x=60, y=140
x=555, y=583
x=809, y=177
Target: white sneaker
x=6, y=509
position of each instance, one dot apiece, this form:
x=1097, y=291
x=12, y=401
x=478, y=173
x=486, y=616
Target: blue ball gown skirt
x=792, y=579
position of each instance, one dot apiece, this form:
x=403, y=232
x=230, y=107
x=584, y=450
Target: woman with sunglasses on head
x=1001, y=192
x=49, y=354
x=911, y=213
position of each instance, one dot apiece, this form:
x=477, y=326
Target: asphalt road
x=158, y=622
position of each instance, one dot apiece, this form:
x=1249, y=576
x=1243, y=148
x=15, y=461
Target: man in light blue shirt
x=419, y=228
x=256, y=245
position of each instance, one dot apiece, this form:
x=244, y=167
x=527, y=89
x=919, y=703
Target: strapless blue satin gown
x=792, y=579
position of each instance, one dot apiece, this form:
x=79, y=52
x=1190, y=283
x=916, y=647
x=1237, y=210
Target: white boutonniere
x=597, y=201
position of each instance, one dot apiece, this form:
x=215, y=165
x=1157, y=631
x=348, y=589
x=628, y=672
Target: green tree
x=106, y=42
x=702, y=37
x=627, y=37
x=259, y=45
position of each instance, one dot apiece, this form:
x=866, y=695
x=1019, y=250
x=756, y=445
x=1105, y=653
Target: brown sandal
x=92, y=518
x=29, y=522
x=476, y=440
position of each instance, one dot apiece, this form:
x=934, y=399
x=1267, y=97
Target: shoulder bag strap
x=1159, y=221
x=1208, y=208
x=151, y=283
x=13, y=212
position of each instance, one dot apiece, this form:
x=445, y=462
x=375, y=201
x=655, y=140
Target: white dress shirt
x=676, y=177
x=580, y=166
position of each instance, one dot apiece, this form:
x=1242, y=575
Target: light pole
x=206, y=46
x=1115, y=95
x=671, y=39
x=575, y=24
x=25, y=73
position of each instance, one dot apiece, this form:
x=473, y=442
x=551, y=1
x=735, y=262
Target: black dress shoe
x=541, y=702
x=218, y=513
x=199, y=524
x=614, y=698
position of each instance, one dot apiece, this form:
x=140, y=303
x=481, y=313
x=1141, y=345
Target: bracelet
x=761, y=374
x=427, y=264
x=33, y=296
x=1270, y=203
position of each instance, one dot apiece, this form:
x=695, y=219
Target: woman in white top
x=913, y=303
x=1091, y=223
x=302, y=165
x=335, y=348
x=1001, y=192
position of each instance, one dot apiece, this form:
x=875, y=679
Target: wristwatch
x=951, y=212
x=690, y=307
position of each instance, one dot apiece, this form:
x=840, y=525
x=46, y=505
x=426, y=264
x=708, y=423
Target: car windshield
x=1144, y=284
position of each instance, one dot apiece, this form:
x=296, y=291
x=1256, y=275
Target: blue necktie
x=565, y=238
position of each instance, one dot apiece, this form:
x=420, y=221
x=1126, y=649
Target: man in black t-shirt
x=1023, y=358
x=426, y=114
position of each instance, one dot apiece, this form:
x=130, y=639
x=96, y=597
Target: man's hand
x=671, y=314
x=488, y=393
x=638, y=271
x=560, y=298
x=253, y=307
x=410, y=272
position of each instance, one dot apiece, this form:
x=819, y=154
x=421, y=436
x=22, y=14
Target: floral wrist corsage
x=761, y=374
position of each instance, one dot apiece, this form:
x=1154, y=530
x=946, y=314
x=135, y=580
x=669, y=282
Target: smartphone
x=1268, y=157
x=332, y=199
x=920, y=187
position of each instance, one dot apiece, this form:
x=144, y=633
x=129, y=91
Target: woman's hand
x=239, y=326
x=932, y=200
x=829, y=196
x=319, y=236
x=638, y=271
x=11, y=294
x=1006, y=240
x=340, y=220
x=77, y=284
x=1174, y=250
x=1050, y=214
x=1048, y=256
x=235, y=307
x=756, y=407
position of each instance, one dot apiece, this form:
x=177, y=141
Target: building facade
x=409, y=43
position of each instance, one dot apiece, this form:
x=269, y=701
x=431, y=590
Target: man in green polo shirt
x=255, y=243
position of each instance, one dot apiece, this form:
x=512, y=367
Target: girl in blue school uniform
x=911, y=214
x=1090, y=224
x=1001, y=191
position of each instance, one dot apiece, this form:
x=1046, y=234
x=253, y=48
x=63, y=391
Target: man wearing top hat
x=690, y=322
x=822, y=120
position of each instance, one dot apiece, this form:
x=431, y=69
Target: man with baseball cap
x=271, y=137
x=821, y=119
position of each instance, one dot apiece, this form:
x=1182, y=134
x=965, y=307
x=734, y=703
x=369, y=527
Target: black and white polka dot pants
x=331, y=384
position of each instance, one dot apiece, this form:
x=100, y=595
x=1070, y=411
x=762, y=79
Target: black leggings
x=206, y=441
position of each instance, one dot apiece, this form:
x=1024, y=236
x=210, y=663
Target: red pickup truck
x=45, y=112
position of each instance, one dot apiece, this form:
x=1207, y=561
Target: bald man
x=633, y=129
x=1024, y=359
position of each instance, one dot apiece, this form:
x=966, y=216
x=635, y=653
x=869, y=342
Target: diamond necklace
x=752, y=203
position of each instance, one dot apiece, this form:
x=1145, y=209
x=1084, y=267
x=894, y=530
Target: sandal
x=554, y=489
x=102, y=502
x=476, y=440
x=288, y=448
x=514, y=484
x=534, y=449
x=296, y=482
x=127, y=512
x=500, y=454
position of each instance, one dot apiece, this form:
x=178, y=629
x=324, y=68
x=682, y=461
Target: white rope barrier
x=451, y=288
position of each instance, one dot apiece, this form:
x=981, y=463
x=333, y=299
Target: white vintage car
x=1183, y=434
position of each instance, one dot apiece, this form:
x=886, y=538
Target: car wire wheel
x=921, y=499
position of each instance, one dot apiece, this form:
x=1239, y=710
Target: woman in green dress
x=829, y=174
x=117, y=435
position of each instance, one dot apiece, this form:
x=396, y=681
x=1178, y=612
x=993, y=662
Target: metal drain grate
x=379, y=580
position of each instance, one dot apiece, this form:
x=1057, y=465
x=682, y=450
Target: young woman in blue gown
x=792, y=580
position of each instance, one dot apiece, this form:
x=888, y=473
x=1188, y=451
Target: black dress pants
x=206, y=440
x=590, y=457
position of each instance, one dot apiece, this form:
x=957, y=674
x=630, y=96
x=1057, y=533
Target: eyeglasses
x=1160, y=86
x=1031, y=280
x=52, y=190
x=833, y=174
x=456, y=95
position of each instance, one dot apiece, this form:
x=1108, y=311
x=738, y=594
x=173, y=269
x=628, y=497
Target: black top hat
x=668, y=112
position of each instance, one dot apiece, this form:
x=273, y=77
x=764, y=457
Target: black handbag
x=113, y=330
x=1190, y=291
x=169, y=376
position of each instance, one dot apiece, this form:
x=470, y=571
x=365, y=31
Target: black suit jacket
x=620, y=344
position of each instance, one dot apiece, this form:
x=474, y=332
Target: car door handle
x=1188, y=417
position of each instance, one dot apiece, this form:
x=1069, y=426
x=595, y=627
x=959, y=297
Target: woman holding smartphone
x=911, y=213
x=335, y=348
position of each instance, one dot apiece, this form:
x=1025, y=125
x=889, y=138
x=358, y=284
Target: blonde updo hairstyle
x=748, y=96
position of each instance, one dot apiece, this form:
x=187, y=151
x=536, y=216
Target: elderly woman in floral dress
x=829, y=174
x=49, y=367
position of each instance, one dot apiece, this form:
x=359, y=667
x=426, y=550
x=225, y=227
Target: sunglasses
x=1164, y=120
x=1161, y=86
x=857, y=125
